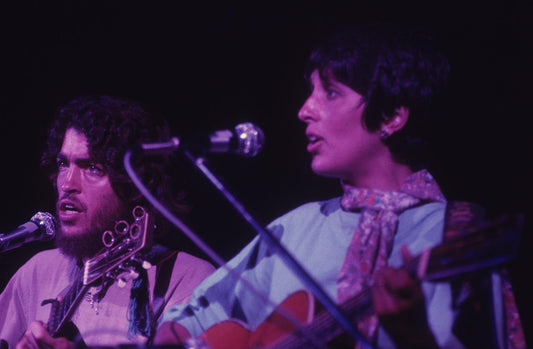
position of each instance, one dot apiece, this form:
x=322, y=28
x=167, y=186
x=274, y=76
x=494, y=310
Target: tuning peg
x=143, y=263
x=146, y=265
x=127, y=276
x=121, y=282
x=133, y=274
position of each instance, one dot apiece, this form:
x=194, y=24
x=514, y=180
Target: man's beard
x=88, y=242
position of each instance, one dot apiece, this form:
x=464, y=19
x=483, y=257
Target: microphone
x=245, y=139
x=41, y=227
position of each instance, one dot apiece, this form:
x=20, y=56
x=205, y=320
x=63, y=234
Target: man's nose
x=70, y=180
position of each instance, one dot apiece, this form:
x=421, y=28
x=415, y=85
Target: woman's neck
x=390, y=177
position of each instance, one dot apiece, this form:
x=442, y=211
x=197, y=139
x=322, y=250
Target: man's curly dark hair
x=112, y=126
x=390, y=68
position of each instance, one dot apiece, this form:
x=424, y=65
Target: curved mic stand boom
x=285, y=255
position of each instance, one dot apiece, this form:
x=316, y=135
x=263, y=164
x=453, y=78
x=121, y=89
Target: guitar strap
x=142, y=319
x=162, y=280
x=473, y=295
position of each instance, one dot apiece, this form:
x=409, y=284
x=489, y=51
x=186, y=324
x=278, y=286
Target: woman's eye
x=331, y=93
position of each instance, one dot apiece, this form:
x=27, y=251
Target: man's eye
x=95, y=169
x=61, y=163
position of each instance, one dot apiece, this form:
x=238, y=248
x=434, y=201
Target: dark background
x=209, y=66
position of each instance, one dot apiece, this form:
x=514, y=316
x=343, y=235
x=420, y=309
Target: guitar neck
x=483, y=249
x=63, y=309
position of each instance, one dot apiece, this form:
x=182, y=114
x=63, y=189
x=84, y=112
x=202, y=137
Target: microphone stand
x=285, y=255
x=136, y=180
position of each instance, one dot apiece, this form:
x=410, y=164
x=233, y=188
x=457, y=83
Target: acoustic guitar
x=483, y=249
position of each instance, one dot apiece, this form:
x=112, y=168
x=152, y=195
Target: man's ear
x=396, y=122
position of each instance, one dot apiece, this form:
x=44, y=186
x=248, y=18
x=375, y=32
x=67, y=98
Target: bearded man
x=84, y=153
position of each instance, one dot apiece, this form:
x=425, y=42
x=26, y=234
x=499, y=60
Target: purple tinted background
x=207, y=67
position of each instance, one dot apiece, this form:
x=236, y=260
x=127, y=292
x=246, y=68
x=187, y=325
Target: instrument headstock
x=123, y=246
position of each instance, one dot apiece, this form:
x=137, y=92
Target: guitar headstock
x=121, y=247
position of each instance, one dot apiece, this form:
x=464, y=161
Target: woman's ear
x=394, y=123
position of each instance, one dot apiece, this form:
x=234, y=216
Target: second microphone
x=246, y=139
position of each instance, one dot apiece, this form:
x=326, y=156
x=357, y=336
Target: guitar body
x=233, y=334
x=489, y=247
